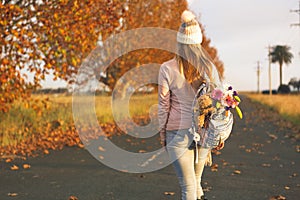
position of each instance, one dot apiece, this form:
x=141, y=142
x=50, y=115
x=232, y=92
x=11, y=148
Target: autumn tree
x=141, y=14
x=54, y=36
x=154, y=13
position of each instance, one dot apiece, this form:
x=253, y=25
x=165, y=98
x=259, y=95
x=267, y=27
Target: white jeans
x=188, y=172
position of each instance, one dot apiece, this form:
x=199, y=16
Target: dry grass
x=56, y=110
x=287, y=105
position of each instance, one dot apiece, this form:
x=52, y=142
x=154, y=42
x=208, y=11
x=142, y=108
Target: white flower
x=196, y=137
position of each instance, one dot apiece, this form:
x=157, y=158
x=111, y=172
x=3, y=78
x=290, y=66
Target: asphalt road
x=260, y=161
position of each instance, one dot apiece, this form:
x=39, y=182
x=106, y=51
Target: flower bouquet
x=218, y=100
x=226, y=98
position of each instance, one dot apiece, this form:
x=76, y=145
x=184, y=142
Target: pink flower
x=217, y=94
x=230, y=102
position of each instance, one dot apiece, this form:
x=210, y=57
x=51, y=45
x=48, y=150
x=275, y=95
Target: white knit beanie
x=189, y=31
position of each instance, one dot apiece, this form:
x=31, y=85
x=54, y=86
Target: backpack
x=219, y=124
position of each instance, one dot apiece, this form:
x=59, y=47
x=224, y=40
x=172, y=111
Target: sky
x=241, y=30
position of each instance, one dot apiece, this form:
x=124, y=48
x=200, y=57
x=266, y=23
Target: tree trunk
x=280, y=74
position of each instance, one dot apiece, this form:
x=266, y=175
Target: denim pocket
x=179, y=138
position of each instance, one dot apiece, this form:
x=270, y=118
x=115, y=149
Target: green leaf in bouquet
x=239, y=112
x=218, y=105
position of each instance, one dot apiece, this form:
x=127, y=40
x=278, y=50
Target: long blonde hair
x=194, y=62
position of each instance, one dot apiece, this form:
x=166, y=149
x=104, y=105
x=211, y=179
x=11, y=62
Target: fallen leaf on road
x=12, y=194
x=217, y=153
x=170, y=193
x=101, y=157
x=101, y=148
x=46, y=151
x=287, y=187
x=279, y=197
x=73, y=198
x=14, y=167
x=281, y=165
x=274, y=137
x=225, y=163
x=276, y=158
x=237, y=172
x=207, y=189
x=8, y=160
x=214, y=167
x=266, y=165
x=26, y=166
x=248, y=150
x=261, y=153
x=293, y=162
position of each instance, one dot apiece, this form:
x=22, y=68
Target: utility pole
x=258, y=75
x=298, y=12
x=270, y=70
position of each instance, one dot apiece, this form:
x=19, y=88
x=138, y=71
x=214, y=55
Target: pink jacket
x=175, y=97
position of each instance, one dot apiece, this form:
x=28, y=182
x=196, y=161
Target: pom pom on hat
x=189, y=31
x=187, y=16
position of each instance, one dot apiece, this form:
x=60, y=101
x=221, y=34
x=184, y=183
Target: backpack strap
x=202, y=90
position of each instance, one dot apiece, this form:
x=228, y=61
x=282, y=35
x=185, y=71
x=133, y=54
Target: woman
x=179, y=79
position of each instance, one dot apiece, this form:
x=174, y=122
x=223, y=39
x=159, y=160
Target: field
x=51, y=118
x=47, y=121
x=287, y=105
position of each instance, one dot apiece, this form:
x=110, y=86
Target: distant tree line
x=286, y=89
x=51, y=91
x=295, y=83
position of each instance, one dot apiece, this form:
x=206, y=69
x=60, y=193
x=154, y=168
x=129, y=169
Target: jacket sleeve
x=163, y=98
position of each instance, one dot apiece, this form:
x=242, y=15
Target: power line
x=298, y=12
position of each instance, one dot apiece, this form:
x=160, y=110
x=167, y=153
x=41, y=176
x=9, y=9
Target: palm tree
x=282, y=55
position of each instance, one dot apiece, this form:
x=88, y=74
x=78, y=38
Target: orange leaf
x=26, y=166
x=14, y=167
x=12, y=194
x=5, y=61
x=73, y=198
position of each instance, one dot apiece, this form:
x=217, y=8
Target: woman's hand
x=220, y=146
x=163, y=141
